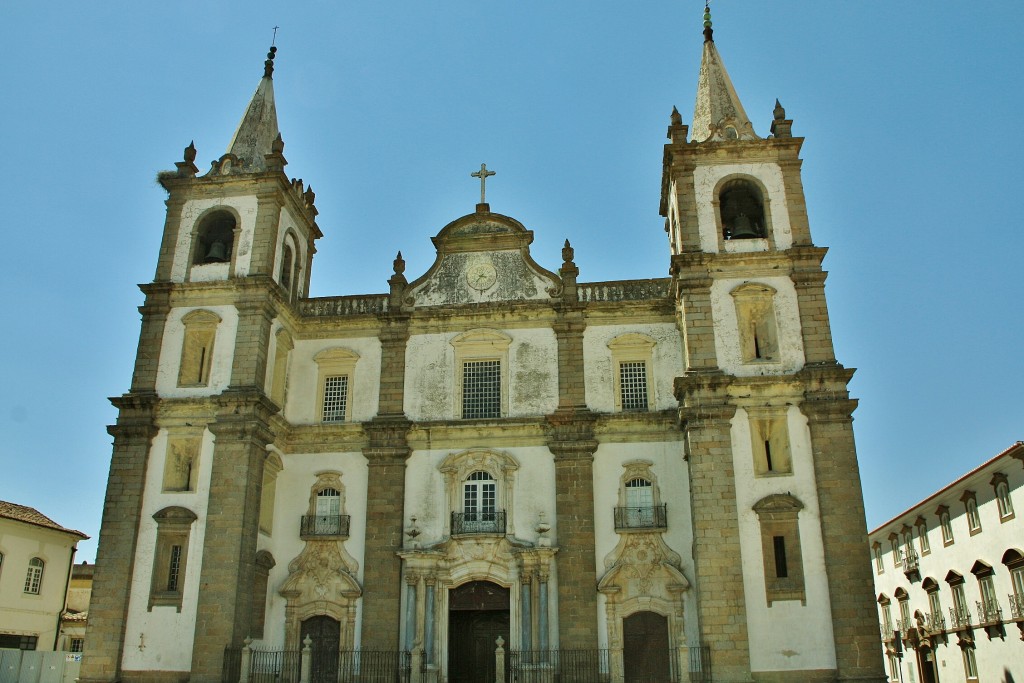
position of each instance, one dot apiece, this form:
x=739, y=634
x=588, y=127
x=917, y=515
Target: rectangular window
x=34, y=576
x=897, y=554
x=77, y=644
x=973, y=520
x=633, y=385
x=16, y=642
x=970, y=664
x=1017, y=578
x=1003, y=500
x=879, y=566
x=922, y=535
x=174, y=568
x=481, y=389
x=781, y=568
x=335, y=398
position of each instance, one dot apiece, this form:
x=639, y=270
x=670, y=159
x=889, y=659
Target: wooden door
x=646, y=652
x=325, y=633
x=478, y=616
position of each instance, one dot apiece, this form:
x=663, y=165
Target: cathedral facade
x=660, y=471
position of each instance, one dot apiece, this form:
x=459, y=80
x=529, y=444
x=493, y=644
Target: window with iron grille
x=335, y=398
x=77, y=644
x=481, y=389
x=174, y=568
x=34, y=577
x=633, y=385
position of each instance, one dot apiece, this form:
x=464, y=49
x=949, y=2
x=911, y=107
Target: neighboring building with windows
x=76, y=612
x=660, y=473
x=36, y=555
x=949, y=579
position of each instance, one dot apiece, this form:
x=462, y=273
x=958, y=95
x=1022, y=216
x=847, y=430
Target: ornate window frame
x=174, y=526
x=970, y=501
x=922, y=535
x=778, y=515
x=634, y=470
x=336, y=362
x=757, y=326
x=458, y=467
x=1004, y=503
x=946, y=524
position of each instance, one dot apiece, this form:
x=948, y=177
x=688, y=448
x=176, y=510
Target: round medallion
x=481, y=276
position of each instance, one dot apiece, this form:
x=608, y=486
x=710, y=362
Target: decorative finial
x=277, y=146
x=309, y=196
x=190, y=152
x=268, y=66
x=708, y=32
x=568, y=253
x=779, y=112
x=399, y=266
x=676, y=118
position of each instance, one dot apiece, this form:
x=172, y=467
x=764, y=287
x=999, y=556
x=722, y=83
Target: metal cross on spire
x=483, y=174
x=275, y=36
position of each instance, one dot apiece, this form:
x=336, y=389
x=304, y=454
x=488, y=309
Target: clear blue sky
x=913, y=158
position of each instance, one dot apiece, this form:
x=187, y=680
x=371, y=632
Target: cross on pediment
x=483, y=174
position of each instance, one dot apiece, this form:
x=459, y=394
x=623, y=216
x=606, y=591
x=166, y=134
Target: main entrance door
x=325, y=633
x=646, y=654
x=478, y=615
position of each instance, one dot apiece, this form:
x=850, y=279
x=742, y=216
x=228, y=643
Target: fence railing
x=1016, y=606
x=989, y=612
x=558, y=666
x=959, y=618
x=650, y=517
x=324, y=526
x=487, y=522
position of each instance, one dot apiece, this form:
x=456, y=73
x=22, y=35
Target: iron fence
x=324, y=526
x=485, y=522
x=700, y=664
x=649, y=517
x=557, y=666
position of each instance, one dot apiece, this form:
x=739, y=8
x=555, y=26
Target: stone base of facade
x=806, y=676
x=154, y=677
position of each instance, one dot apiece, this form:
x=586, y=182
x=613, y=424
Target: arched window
x=34, y=577
x=214, y=238
x=480, y=488
x=328, y=511
x=287, y=263
x=742, y=210
x=480, y=504
x=325, y=516
x=1002, y=489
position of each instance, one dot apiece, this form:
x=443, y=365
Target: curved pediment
x=483, y=257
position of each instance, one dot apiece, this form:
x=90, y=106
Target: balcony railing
x=910, y=562
x=324, y=526
x=485, y=522
x=1016, y=607
x=989, y=612
x=904, y=625
x=651, y=517
x=934, y=622
x=959, y=618
x=886, y=631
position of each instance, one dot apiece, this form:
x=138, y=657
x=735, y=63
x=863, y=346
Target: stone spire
x=718, y=114
x=258, y=129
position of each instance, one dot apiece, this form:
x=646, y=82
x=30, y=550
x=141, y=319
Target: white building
x=659, y=474
x=36, y=555
x=949, y=578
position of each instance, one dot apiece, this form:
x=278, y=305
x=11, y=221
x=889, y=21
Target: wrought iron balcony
x=324, y=526
x=904, y=625
x=911, y=565
x=483, y=522
x=886, y=631
x=651, y=517
x=989, y=612
x=1016, y=607
x=934, y=623
x=959, y=619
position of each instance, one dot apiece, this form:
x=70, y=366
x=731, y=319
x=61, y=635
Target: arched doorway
x=478, y=614
x=645, y=655
x=325, y=633
x=926, y=664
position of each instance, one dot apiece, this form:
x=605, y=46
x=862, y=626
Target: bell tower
x=779, y=527
x=193, y=432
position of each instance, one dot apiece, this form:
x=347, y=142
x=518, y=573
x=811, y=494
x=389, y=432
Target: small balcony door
x=328, y=512
x=479, y=503
x=639, y=503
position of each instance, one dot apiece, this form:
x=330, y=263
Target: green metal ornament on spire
x=707, y=24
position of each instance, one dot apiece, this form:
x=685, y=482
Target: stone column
x=154, y=320
x=224, y=611
x=410, y=612
x=264, y=236
x=705, y=416
x=696, y=320
x=543, y=642
x=386, y=452
x=428, y=631
x=115, y=560
x=525, y=614
x=844, y=530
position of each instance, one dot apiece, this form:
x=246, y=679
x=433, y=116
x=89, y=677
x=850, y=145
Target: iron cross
x=483, y=174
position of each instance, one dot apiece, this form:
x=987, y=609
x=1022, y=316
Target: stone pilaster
x=264, y=241
x=844, y=530
x=223, y=614
x=115, y=558
x=705, y=414
x=172, y=226
x=809, y=280
x=795, y=204
x=386, y=452
x=252, y=339
x=693, y=282
x=154, y=320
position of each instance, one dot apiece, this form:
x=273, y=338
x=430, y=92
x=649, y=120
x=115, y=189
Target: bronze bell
x=743, y=228
x=218, y=253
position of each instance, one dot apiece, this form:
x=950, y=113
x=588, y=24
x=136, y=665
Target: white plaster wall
x=170, y=353
x=431, y=375
x=162, y=638
x=245, y=206
x=292, y=502
x=21, y=613
x=667, y=360
x=705, y=178
x=303, y=384
x=426, y=496
x=988, y=545
x=727, y=336
x=807, y=641
x=673, y=483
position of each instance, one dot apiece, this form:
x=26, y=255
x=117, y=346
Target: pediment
x=642, y=565
x=483, y=257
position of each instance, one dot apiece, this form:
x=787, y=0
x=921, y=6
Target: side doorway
x=646, y=657
x=325, y=633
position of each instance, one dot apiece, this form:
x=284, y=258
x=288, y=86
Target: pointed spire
x=718, y=113
x=257, y=130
